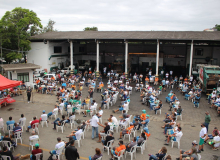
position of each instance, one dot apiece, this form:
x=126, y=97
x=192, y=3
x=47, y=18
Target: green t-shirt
x=160, y=87
x=207, y=119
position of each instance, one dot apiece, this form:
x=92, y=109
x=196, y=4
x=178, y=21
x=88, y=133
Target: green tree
x=49, y=27
x=90, y=29
x=217, y=27
x=16, y=27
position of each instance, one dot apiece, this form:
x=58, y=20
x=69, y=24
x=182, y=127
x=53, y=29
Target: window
x=23, y=77
x=199, y=52
x=57, y=49
x=81, y=49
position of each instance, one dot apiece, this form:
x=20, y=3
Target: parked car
x=67, y=70
x=47, y=76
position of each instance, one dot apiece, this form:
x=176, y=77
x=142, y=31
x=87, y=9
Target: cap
x=37, y=145
x=195, y=142
x=43, y=111
x=144, y=111
x=131, y=123
x=147, y=115
x=214, y=88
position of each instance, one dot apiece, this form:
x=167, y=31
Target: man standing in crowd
x=202, y=136
x=207, y=120
x=71, y=152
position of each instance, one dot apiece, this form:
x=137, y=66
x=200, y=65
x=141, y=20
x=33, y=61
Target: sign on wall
x=201, y=74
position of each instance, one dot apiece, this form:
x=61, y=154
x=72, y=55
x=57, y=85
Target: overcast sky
x=123, y=15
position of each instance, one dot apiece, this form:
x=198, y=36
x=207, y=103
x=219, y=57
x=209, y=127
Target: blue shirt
x=17, y=129
x=164, y=82
x=10, y=122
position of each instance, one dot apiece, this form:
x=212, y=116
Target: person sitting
x=105, y=101
x=108, y=138
x=215, y=143
x=210, y=136
x=175, y=136
x=53, y=111
x=59, y=122
x=7, y=138
x=124, y=115
x=57, y=146
x=115, y=151
x=7, y=152
x=72, y=116
x=131, y=144
x=17, y=128
x=194, y=155
x=43, y=117
x=126, y=131
x=123, y=107
x=22, y=119
x=100, y=87
x=35, y=120
x=158, y=107
x=91, y=109
x=86, y=101
x=76, y=134
x=141, y=138
x=68, y=143
x=144, y=123
x=160, y=155
x=188, y=153
x=33, y=153
x=143, y=115
x=10, y=122
x=169, y=125
x=97, y=154
x=104, y=132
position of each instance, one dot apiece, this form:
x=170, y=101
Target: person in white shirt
x=57, y=146
x=123, y=107
x=91, y=109
x=171, y=72
x=202, y=136
x=95, y=125
x=114, y=119
x=100, y=113
x=216, y=141
x=175, y=136
x=22, y=119
x=76, y=134
x=43, y=117
x=55, y=110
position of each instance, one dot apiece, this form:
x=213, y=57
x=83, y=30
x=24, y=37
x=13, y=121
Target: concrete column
x=71, y=55
x=191, y=59
x=126, y=58
x=97, y=58
x=157, y=57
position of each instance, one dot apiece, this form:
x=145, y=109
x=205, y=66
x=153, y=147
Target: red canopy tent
x=7, y=83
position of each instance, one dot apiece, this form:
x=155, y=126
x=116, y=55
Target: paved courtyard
x=192, y=118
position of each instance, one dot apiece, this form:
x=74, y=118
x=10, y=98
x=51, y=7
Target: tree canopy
x=217, y=27
x=16, y=27
x=49, y=27
x=90, y=29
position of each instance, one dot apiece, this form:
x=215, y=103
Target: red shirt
x=35, y=121
x=36, y=151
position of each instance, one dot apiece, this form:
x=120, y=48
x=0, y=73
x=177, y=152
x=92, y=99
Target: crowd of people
x=69, y=91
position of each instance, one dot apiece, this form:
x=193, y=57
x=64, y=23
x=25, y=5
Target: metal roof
x=129, y=35
x=19, y=66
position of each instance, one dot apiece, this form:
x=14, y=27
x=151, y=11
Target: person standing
x=207, y=120
x=29, y=90
x=202, y=136
x=71, y=152
x=95, y=125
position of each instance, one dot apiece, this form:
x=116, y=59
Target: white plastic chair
x=128, y=134
x=100, y=158
x=18, y=135
x=181, y=118
x=159, y=110
x=134, y=130
x=132, y=152
x=78, y=109
x=38, y=156
x=72, y=122
x=142, y=147
x=176, y=142
x=100, y=119
x=35, y=127
x=23, y=124
x=54, y=115
x=109, y=145
x=62, y=127
x=121, y=154
x=199, y=156
x=60, y=150
x=8, y=145
x=69, y=111
x=44, y=120
x=80, y=139
x=6, y=157
x=2, y=127
x=32, y=143
x=10, y=128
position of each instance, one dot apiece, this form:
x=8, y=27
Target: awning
x=7, y=83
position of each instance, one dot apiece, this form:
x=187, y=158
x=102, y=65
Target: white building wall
x=30, y=71
x=39, y=55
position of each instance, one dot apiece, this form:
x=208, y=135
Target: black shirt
x=106, y=129
x=7, y=153
x=71, y=153
x=91, y=94
x=108, y=138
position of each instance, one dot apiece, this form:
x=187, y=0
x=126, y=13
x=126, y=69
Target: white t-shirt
x=55, y=110
x=94, y=122
x=114, y=120
x=179, y=135
x=149, y=72
x=100, y=112
x=125, y=106
x=44, y=117
x=59, y=145
x=61, y=106
x=203, y=132
x=34, y=137
x=22, y=119
x=77, y=134
x=216, y=139
x=167, y=75
x=171, y=72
